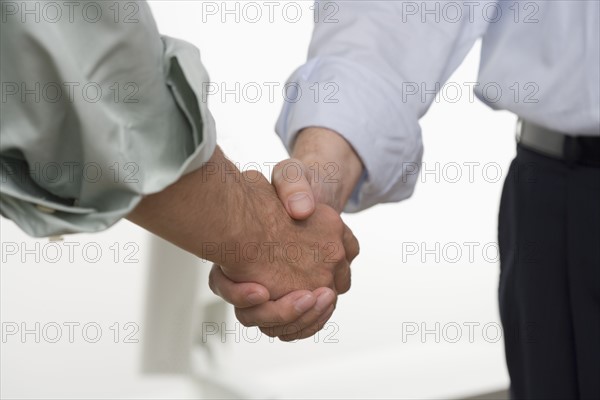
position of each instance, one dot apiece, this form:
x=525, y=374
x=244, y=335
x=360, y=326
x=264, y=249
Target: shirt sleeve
x=96, y=113
x=372, y=62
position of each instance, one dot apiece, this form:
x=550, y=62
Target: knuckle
x=345, y=282
x=242, y=316
x=345, y=287
x=342, y=253
x=290, y=336
x=268, y=331
x=338, y=255
x=355, y=249
x=293, y=329
x=281, y=316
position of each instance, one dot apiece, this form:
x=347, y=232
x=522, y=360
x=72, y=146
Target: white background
x=362, y=352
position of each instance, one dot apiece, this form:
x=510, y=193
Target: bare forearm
x=195, y=209
x=333, y=167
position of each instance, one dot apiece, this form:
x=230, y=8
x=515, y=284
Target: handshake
x=281, y=252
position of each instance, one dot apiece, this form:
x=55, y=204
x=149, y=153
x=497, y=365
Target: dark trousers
x=549, y=239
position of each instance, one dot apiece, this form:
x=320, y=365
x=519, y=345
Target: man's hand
x=330, y=170
x=265, y=245
x=237, y=221
x=297, y=315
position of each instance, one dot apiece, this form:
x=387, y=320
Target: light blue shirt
x=387, y=57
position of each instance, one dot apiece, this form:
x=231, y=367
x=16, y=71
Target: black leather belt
x=584, y=150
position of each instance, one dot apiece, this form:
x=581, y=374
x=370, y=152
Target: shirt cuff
x=367, y=111
x=40, y=212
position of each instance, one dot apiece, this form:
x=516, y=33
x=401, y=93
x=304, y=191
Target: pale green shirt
x=95, y=115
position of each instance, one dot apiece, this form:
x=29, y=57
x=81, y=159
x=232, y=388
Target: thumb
x=293, y=188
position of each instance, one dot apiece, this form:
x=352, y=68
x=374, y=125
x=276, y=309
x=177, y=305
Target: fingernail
x=300, y=203
x=323, y=301
x=255, y=298
x=304, y=303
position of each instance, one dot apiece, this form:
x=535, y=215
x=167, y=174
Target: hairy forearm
x=333, y=167
x=195, y=209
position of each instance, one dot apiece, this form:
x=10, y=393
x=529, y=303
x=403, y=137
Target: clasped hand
x=283, y=274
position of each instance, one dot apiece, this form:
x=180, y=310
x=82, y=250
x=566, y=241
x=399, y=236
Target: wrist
x=231, y=218
x=196, y=213
x=333, y=167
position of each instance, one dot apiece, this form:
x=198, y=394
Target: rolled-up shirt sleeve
x=96, y=113
x=372, y=61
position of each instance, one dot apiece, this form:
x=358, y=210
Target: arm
x=236, y=220
x=370, y=129
x=332, y=170
x=172, y=195
x=381, y=65
x=186, y=206
x=316, y=149
x=141, y=129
